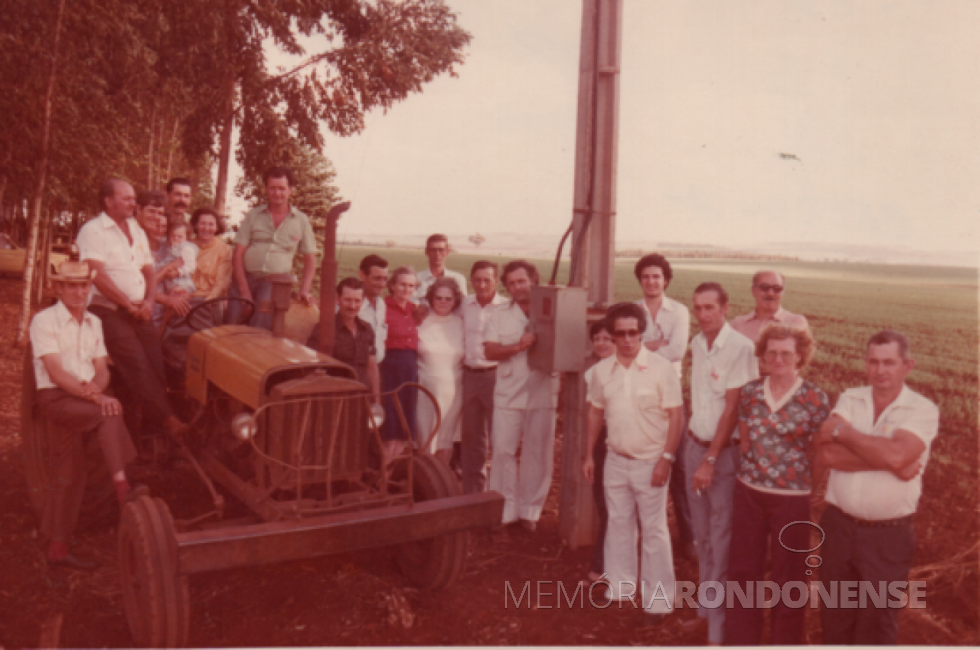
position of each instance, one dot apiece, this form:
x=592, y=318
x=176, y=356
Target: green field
x=936, y=307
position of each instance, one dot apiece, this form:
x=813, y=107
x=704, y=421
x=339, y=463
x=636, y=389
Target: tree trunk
x=42, y=172
x=43, y=254
x=170, y=154
x=149, y=155
x=224, y=156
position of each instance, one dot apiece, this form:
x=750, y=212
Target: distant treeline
x=713, y=254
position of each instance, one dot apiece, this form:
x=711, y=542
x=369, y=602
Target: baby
x=182, y=260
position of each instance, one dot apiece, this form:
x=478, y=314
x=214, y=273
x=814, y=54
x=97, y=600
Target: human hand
x=305, y=298
x=588, y=469
x=421, y=311
x=701, y=480
x=661, y=473
x=90, y=390
x=909, y=472
x=180, y=305
x=655, y=344
x=527, y=340
x=110, y=405
x=144, y=311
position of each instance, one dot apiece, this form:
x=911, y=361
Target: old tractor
x=288, y=432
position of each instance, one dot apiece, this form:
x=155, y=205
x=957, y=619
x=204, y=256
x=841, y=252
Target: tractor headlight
x=243, y=426
x=377, y=415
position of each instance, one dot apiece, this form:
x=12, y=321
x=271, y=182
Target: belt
x=877, y=523
x=731, y=441
x=479, y=369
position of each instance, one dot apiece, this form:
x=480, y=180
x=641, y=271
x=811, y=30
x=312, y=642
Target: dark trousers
x=599, y=494
x=678, y=492
x=478, y=389
x=261, y=290
x=71, y=418
x=856, y=552
x=399, y=367
x=134, y=347
x=757, y=519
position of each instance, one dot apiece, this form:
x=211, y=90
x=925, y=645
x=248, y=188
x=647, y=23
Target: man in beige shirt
x=267, y=240
x=638, y=395
x=767, y=289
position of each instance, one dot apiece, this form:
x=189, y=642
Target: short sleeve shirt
x=779, y=434
x=879, y=494
x=374, y=314
x=270, y=250
x=55, y=331
x=102, y=240
x=751, y=325
x=673, y=322
x=518, y=386
x=403, y=333
x=475, y=319
x=635, y=402
x=730, y=363
x=354, y=349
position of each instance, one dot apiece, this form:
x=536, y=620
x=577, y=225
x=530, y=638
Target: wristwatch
x=836, y=432
x=710, y=460
x=669, y=457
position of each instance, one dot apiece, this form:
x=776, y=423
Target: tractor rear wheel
x=156, y=598
x=433, y=564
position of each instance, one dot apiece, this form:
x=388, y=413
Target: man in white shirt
x=437, y=250
x=70, y=374
x=524, y=402
x=374, y=274
x=722, y=362
x=876, y=446
x=767, y=289
x=666, y=335
x=116, y=248
x=638, y=395
x=479, y=376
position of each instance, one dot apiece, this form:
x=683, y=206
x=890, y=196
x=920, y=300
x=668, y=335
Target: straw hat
x=69, y=271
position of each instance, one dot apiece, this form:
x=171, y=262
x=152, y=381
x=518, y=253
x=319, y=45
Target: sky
x=875, y=103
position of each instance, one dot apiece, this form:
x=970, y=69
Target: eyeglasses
x=443, y=251
x=626, y=334
x=443, y=299
x=784, y=355
x=766, y=288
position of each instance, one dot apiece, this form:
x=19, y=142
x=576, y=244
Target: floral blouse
x=777, y=458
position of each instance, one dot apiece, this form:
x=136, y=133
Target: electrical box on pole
x=558, y=315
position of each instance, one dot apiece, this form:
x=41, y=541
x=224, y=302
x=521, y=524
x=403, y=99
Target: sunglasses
x=443, y=299
x=784, y=355
x=766, y=288
x=626, y=334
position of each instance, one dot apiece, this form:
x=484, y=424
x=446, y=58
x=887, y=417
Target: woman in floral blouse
x=777, y=416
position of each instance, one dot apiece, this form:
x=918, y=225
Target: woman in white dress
x=441, y=367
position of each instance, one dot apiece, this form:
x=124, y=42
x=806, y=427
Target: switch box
x=558, y=321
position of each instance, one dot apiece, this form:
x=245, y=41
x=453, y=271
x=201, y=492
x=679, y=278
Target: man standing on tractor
x=268, y=238
x=71, y=373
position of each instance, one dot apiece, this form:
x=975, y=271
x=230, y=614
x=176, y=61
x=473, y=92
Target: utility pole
x=593, y=235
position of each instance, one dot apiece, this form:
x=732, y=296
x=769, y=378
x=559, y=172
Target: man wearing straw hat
x=71, y=374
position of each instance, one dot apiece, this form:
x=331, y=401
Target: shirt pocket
x=716, y=382
x=647, y=399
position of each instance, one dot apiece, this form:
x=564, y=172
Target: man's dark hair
x=604, y=325
x=200, y=212
x=514, y=265
x=180, y=180
x=627, y=310
x=433, y=239
x=108, y=190
x=279, y=172
x=717, y=288
x=479, y=265
x=151, y=198
x=371, y=261
x=654, y=259
x=349, y=283
x=884, y=337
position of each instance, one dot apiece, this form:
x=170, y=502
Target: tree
x=477, y=239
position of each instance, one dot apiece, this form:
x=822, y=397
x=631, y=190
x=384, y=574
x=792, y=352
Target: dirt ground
x=354, y=599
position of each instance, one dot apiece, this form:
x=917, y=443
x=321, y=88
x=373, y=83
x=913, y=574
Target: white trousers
x=629, y=495
x=524, y=490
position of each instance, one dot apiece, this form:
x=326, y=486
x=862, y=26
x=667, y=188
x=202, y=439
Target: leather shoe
x=72, y=562
x=528, y=525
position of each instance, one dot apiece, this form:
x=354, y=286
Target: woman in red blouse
x=400, y=365
x=777, y=416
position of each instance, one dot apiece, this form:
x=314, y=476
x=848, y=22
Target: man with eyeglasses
x=767, y=289
x=722, y=362
x=637, y=394
x=437, y=250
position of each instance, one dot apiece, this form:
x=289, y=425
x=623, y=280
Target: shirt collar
x=720, y=340
x=64, y=315
x=641, y=362
x=905, y=398
x=778, y=317
x=496, y=300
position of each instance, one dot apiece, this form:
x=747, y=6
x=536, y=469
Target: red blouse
x=403, y=333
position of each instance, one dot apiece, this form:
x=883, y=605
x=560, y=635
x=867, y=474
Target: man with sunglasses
x=637, y=394
x=767, y=289
x=437, y=250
